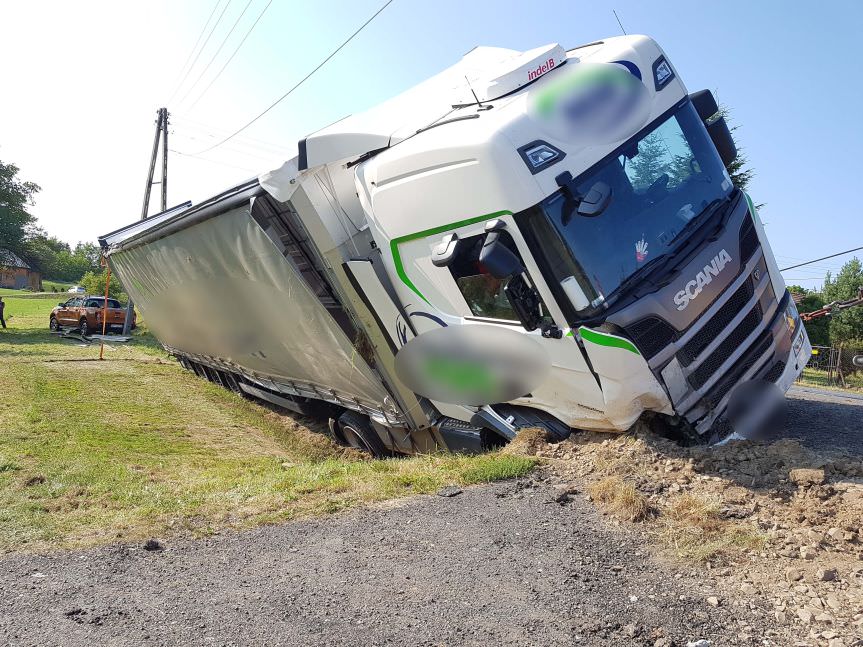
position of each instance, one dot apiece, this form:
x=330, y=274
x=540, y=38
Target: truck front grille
x=755, y=351
x=775, y=371
x=717, y=324
x=651, y=335
x=711, y=364
x=748, y=239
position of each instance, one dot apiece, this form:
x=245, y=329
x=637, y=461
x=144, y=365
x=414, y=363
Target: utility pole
x=161, y=129
x=164, y=112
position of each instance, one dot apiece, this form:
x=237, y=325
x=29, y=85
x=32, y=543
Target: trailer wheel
x=359, y=434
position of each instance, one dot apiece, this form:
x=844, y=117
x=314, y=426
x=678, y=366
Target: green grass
x=816, y=377
x=55, y=286
x=48, y=286
x=134, y=446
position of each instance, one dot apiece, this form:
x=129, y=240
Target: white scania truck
x=545, y=238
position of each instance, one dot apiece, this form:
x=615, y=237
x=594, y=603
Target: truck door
x=465, y=288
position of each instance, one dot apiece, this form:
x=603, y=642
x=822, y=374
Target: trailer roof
x=181, y=216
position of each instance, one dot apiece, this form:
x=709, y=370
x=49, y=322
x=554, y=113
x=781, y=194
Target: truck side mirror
x=704, y=103
x=525, y=301
x=498, y=259
x=595, y=201
x=722, y=139
x=502, y=263
x=708, y=111
x=444, y=253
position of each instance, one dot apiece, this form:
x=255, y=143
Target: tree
x=650, y=162
x=16, y=223
x=42, y=252
x=89, y=253
x=817, y=329
x=94, y=283
x=739, y=170
x=845, y=326
x=654, y=159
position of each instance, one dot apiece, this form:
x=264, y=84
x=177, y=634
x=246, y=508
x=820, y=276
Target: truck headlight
x=662, y=73
x=539, y=155
x=791, y=317
x=798, y=343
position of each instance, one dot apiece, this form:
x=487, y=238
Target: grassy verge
x=135, y=446
x=816, y=377
x=55, y=286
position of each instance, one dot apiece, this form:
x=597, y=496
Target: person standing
x=2, y=306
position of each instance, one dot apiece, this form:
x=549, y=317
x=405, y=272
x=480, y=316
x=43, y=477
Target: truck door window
x=483, y=293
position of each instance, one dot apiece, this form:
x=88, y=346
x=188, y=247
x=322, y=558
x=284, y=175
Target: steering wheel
x=657, y=188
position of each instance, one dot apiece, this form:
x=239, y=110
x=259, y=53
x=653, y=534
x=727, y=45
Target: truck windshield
x=659, y=181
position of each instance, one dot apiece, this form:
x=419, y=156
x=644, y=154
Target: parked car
x=85, y=313
x=76, y=289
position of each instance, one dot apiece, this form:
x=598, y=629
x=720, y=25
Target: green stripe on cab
x=604, y=339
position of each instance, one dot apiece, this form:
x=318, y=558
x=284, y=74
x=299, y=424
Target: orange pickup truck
x=86, y=312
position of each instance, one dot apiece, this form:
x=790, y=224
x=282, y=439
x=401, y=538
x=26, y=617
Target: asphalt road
x=826, y=419
x=504, y=564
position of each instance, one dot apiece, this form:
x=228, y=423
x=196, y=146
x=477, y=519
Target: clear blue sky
x=787, y=70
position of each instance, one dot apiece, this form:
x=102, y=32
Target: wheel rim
x=355, y=439
x=53, y=324
x=84, y=328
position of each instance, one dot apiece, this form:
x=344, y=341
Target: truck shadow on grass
x=48, y=344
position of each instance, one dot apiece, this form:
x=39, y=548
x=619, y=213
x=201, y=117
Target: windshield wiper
x=641, y=275
x=706, y=214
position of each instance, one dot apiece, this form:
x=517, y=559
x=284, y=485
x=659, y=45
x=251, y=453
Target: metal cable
x=231, y=58
x=200, y=51
x=303, y=80
x=221, y=45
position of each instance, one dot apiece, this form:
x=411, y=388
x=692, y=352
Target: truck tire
x=53, y=324
x=85, y=327
x=359, y=434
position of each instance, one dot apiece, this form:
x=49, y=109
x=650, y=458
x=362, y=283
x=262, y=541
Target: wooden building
x=15, y=273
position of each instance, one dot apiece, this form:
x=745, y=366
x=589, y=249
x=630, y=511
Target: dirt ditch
x=775, y=522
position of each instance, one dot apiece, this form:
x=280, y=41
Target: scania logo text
x=694, y=287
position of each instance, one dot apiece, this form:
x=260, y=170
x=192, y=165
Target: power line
x=824, y=258
x=303, y=80
x=200, y=51
x=262, y=156
x=221, y=45
x=197, y=42
x=231, y=58
x=204, y=132
x=204, y=159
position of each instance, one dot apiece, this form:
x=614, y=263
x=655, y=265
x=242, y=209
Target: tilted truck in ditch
x=546, y=238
